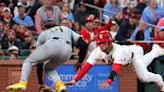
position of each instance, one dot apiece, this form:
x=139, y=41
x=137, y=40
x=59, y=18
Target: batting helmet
x=104, y=36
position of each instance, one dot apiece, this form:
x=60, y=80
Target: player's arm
x=115, y=69
x=85, y=68
x=83, y=49
x=82, y=53
x=82, y=45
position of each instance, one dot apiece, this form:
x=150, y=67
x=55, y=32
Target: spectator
x=29, y=41
x=2, y=32
x=160, y=3
x=34, y=6
x=10, y=3
x=6, y=27
x=119, y=18
x=66, y=22
x=2, y=5
x=160, y=36
x=70, y=3
x=127, y=3
x=76, y=27
x=81, y=14
x=141, y=27
x=13, y=53
x=89, y=9
x=114, y=29
x=21, y=30
x=88, y=35
x=142, y=33
x=7, y=16
x=67, y=13
x=161, y=22
x=100, y=3
x=132, y=3
x=47, y=14
x=97, y=23
x=23, y=19
x=141, y=6
x=112, y=6
x=126, y=29
x=23, y=3
x=152, y=13
x=11, y=40
x=87, y=30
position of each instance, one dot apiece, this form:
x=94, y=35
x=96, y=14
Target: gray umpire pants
x=53, y=53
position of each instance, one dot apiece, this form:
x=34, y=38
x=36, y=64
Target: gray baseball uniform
x=54, y=48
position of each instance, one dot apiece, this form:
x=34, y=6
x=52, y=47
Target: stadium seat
x=24, y=52
x=23, y=57
x=4, y=57
x=5, y=51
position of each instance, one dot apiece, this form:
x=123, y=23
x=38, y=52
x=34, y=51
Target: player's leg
x=50, y=67
x=141, y=70
x=40, y=76
x=154, y=53
x=39, y=55
x=53, y=74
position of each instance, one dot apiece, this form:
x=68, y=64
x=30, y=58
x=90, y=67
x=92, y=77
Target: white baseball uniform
x=132, y=54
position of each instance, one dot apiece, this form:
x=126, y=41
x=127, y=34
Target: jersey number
x=56, y=29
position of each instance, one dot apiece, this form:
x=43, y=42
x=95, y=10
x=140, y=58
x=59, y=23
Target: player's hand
x=77, y=66
x=70, y=83
x=104, y=85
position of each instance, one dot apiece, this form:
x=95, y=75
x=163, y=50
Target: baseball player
x=54, y=49
x=122, y=55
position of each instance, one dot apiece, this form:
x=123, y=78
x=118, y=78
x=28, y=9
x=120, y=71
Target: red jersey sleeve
x=85, y=68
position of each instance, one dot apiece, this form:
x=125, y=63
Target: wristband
x=109, y=81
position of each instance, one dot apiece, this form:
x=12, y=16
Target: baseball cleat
x=21, y=86
x=60, y=87
x=15, y=90
x=44, y=88
x=159, y=49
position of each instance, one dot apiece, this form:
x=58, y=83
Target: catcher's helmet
x=104, y=36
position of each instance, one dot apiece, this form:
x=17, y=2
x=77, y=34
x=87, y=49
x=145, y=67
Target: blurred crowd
x=129, y=21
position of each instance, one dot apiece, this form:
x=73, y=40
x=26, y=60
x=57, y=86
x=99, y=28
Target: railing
x=102, y=10
x=141, y=41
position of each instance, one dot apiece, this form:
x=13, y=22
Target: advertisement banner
x=89, y=83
